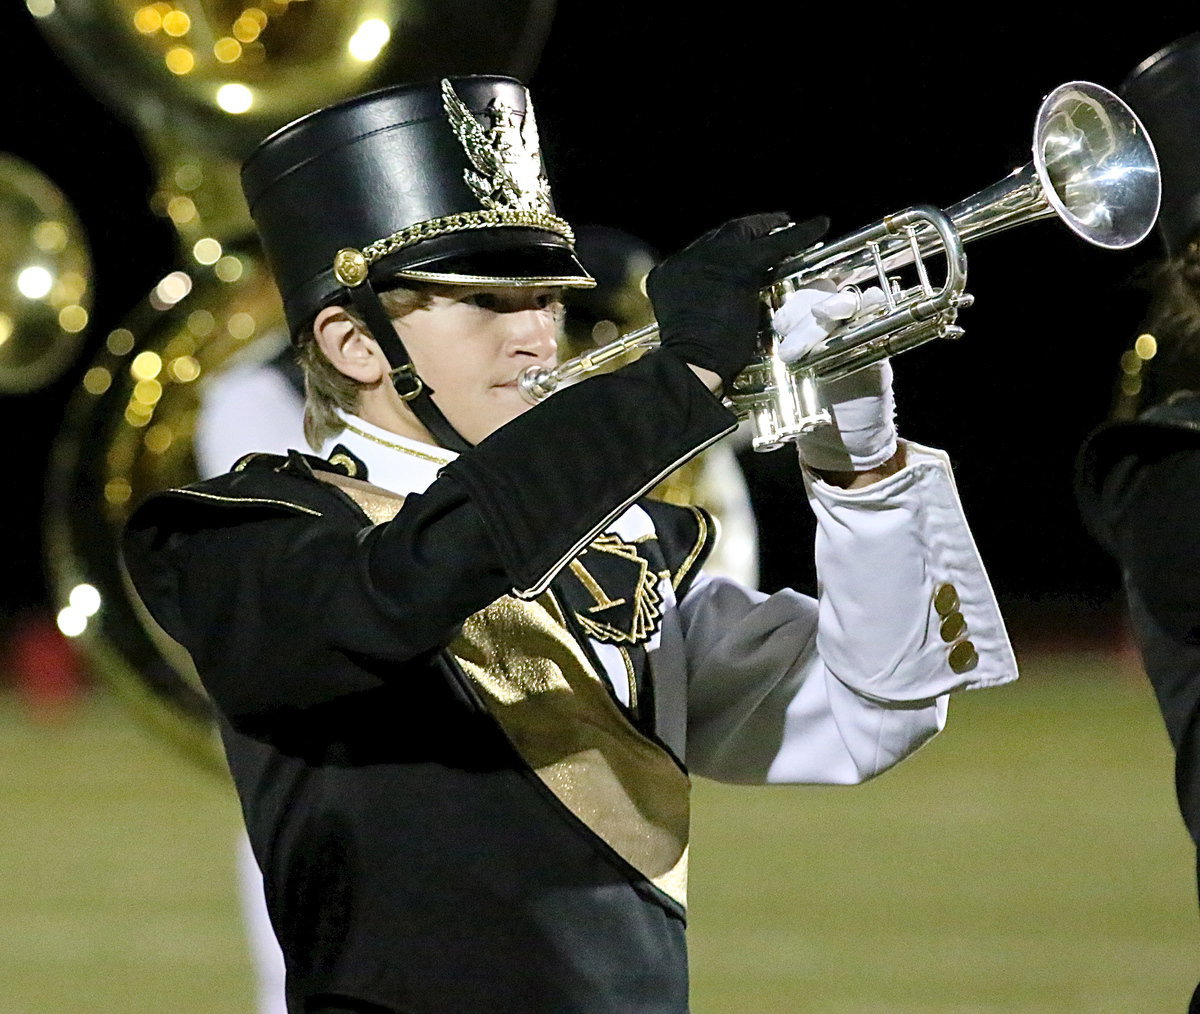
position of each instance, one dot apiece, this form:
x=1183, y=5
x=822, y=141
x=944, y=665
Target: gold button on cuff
x=963, y=657
x=953, y=627
x=945, y=599
x=350, y=266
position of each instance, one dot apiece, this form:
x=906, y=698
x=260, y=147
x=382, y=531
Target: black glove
x=706, y=296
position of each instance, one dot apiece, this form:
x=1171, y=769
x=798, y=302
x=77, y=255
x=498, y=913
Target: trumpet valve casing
x=782, y=404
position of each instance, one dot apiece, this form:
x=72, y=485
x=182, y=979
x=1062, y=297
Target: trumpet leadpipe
x=538, y=383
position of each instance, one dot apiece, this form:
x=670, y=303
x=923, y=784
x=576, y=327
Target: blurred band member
x=1139, y=476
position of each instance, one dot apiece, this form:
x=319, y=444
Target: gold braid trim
x=245, y=499
x=396, y=447
x=463, y=221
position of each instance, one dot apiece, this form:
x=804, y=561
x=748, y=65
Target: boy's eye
x=502, y=303
x=484, y=300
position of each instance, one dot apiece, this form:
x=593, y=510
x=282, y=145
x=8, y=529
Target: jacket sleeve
x=285, y=610
x=283, y=606
x=784, y=688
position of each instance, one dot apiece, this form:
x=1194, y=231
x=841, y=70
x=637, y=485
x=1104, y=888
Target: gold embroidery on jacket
x=605, y=620
x=558, y=713
x=630, y=678
x=701, y=541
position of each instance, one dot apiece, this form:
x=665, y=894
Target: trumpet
x=1093, y=167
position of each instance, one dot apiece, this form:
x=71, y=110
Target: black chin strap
x=440, y=428
x=408, y=385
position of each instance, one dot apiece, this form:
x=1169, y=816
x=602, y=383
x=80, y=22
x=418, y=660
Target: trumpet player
x=464, y=670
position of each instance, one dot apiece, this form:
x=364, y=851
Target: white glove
x=861, y=406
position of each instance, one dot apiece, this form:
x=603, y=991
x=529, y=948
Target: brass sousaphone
x=1093, y=166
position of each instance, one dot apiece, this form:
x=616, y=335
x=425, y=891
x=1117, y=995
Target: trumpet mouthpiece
x=536, y=384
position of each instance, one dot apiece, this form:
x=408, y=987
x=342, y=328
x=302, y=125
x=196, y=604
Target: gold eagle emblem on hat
x=507, y=155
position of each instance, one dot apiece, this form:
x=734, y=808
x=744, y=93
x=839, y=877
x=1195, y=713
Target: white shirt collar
x=394, y=463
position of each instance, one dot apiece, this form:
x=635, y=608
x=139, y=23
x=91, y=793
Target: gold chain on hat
x=350, y=266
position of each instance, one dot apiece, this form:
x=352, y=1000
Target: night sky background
x=664, y=125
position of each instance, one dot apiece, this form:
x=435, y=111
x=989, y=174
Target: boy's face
x=470, y=345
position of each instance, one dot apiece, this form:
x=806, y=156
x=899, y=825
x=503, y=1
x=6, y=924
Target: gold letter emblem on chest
x=626, y=602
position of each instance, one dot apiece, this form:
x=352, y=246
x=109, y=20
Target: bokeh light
x=235, y=98
x=35, y=282
x=367, y=43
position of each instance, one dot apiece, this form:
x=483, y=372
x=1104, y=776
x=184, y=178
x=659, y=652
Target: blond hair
x=326, y=388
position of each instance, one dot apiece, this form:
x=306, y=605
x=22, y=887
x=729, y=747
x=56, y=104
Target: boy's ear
x=348, y=347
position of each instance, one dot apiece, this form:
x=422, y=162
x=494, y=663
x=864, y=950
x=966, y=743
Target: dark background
x=664, y=125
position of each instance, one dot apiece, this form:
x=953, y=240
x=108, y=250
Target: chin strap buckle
x=406, y=382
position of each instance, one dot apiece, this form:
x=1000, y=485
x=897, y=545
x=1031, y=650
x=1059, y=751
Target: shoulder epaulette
x=284, y=484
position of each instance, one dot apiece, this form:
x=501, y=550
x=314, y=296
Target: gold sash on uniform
x=540, y=687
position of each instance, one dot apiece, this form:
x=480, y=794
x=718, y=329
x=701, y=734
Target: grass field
x=1029, y=860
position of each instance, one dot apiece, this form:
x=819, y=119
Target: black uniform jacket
x=1138, y=486
x=416, y=854
x=1139, y=491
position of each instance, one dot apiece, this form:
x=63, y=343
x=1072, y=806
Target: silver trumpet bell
x=1093, y=166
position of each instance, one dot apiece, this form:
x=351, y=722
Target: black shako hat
x=438, y=182
x=1164, y=90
